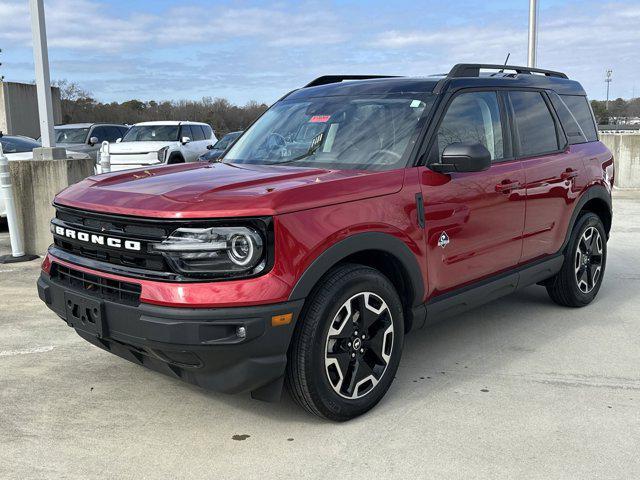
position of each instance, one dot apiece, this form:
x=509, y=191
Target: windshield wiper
x=313, y=148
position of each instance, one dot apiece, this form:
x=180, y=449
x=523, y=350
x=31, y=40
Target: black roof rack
x=327, y=79
x=473, y=70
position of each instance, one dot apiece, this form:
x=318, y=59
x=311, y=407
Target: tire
x=175, y=158
x=325, y=344
x=577, y=283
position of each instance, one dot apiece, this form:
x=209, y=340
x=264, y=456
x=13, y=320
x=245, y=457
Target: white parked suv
x=155, y=143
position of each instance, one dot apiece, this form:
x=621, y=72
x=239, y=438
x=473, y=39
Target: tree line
x=79, y=106
x=619, y=110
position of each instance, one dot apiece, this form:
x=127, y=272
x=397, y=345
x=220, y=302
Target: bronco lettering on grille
x=98, y=239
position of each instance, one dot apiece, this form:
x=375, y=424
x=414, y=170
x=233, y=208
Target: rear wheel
x=347, y=345
x=580, y=278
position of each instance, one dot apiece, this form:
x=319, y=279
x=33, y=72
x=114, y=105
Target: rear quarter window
x=536, y=128
x=579, y=107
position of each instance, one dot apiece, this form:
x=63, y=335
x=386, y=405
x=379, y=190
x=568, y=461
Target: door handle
x=568, y=174
x=506, y=186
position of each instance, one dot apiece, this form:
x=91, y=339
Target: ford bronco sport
x=353, y=210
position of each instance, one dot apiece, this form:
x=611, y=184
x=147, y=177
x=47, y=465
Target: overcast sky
x=243, y=50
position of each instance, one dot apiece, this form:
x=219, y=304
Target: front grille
x=104, y=288
x=111, y=225
x=142, y=262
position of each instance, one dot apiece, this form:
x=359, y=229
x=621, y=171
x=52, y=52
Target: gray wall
x=19, y=109
x=35, y=183
x=626, y=155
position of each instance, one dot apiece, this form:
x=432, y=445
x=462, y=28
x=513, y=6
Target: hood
x=197, y=190
x=137, y=147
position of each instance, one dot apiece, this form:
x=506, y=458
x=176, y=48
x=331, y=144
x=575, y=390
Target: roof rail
x=327, y=79
x=473, y=70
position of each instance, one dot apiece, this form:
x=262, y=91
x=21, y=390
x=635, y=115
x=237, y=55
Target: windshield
x=342, y=132
x=152, y=133
x=17, y=144
x=224, y=142
x=71, y=135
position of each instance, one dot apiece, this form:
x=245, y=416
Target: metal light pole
x=608, y=80
x=533, y=33
x=43, y=82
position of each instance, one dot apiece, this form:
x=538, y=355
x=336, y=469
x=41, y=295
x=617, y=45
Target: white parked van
x=155, y=143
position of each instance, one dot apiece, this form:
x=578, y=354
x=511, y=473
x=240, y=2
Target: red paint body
x=513, y=213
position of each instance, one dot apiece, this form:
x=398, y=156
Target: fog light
x=241, y=332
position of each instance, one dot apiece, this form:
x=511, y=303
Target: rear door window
x=536, y=129
x=579, y=107
x=198, y=134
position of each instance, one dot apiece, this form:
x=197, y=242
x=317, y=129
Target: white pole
x=533, y=33
x=43, y=82
x=105, y=158
x=17, y=247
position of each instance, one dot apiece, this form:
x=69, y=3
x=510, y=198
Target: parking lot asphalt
x=520, y=388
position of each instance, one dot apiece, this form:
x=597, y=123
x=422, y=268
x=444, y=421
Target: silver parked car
x=88, y=137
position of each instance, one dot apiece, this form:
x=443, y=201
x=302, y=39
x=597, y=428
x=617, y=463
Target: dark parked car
x=216, y=150
x=88, y=137
x=307, y=254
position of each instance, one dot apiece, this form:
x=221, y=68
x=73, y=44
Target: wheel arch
x=175, y=157
x=596, y=199
x=384, y=252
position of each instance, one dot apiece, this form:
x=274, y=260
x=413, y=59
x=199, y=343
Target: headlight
x=219, y=251
x=162, y=154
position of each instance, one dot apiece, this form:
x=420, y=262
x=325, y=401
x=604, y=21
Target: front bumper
x=198, y=345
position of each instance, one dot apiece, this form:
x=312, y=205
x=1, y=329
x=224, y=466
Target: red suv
x=355, y=209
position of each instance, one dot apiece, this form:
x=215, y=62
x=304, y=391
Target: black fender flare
x=594, y=192
x=358, y=243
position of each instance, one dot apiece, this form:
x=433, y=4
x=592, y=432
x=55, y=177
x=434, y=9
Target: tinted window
x=579, y=107
x=100, y=133
x=473, y=117
x=123, y=131
x=208, y=133
x=112, y=134
x=536, y=128
x=152, y=133
x=198, y=134
x=569, y=123
x=71, y=135
x=186, y=132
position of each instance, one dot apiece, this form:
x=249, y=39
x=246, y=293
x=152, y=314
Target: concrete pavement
x=519, y=388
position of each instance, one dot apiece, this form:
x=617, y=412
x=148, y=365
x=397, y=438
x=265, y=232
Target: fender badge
x=443, y=241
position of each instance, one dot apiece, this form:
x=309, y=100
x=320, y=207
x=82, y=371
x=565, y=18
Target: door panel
x=552, y=173
x=479, y=215
x=553, y=183
x=482, y=221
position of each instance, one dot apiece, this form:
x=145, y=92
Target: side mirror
x=93, y=141
x=118, y=140
x=185, y=140
x=463, y=157
x=209, y=147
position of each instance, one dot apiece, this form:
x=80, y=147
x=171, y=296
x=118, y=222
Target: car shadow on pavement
x=477, y=342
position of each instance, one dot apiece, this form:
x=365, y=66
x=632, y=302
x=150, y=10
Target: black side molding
x=477, y=294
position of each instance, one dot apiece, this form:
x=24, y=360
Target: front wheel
x=347, y=345
x=580, y=278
